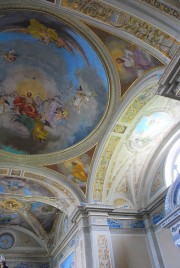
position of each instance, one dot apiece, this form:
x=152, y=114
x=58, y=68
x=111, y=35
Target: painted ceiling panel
x=76, y=169
x=148, y=128
x=49, y=104
x=14, y=219
x=22, y=187
x=37, y=217
x=45, y=214
x=111, y=148
x=130, y=60
x=25, y=240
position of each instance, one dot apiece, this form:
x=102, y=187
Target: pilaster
x=152, y=242
x=95, y=236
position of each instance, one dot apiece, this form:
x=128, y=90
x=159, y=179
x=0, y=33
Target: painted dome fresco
x=54, y=88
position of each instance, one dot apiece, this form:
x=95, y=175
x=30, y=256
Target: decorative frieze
x=126, y=224
x=126, y=22
x=157, y=217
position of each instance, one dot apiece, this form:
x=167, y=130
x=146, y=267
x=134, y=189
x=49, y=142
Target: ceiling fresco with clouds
x=47, y=105
x=38, y=214
x=14, y=219
x=18, y=208
x=22, y=187
x=45, y=214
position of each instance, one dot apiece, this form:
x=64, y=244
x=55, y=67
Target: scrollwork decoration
x=120, y=19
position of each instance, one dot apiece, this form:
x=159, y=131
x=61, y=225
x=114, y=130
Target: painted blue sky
x=54, y=74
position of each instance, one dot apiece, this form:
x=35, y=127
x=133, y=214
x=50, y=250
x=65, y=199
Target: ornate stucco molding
x=96, y=180
x=102, y=177
x=126, y=22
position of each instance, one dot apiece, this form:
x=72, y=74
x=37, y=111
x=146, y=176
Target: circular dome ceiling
x=54, y=90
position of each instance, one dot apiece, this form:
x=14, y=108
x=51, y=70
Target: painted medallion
x=53, y=85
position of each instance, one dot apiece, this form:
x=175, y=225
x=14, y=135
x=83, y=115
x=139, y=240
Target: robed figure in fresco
x=135, y=60
x=29, y=117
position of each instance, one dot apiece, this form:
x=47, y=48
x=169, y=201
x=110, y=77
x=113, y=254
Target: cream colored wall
x=130, y=251
x=170, y=253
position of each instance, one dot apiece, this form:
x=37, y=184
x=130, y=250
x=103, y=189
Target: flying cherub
x=40, y=31
x=10, y=56
x=62, y=38
x=81, y=98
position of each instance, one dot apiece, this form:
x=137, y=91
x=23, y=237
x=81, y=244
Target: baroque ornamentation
x=104, y=162
x=119, y=129
x=11, y=205
x=127, y=117
x=126, y=22
x=84, y=144
x=103, y=251
x=137, y=104
x=157, y=183
x=126, y=224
